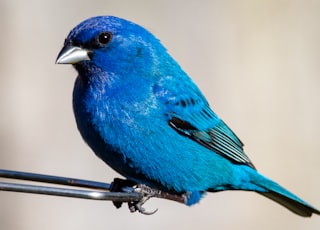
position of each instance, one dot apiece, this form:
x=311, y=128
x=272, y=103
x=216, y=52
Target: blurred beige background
x=256, y=61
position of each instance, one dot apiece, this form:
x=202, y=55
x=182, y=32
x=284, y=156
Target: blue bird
x=143, y=116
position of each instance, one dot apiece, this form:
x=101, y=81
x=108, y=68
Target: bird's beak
x=72, y=55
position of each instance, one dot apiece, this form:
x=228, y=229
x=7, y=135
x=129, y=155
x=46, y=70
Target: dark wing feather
x=188, y=112
x=220, y=139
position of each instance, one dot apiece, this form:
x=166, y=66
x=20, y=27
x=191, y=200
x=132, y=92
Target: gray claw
x=133, y=207
x=148, y=193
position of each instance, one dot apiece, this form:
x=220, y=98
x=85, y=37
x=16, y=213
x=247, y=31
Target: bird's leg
x=117, y=185
x=147, y=194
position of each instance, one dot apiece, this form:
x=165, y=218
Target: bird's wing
x=189, y=114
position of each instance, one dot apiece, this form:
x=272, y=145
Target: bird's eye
x=104, y=38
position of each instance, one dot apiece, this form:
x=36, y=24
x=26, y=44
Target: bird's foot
x=147, y=194
x=118, y=185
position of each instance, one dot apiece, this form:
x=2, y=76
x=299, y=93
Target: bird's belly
x=149, y=151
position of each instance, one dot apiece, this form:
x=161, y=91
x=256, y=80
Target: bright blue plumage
x=142, y=115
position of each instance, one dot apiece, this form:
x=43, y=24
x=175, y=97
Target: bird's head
x=110, y=45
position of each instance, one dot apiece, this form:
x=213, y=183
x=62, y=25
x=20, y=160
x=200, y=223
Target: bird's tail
x=282, y=196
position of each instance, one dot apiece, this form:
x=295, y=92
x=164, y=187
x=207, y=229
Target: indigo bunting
x=143, y=116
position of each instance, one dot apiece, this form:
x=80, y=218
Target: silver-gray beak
x=72, y=55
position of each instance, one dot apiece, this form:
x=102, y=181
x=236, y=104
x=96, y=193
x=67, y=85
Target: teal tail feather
x=302, y=209
x=285, y=198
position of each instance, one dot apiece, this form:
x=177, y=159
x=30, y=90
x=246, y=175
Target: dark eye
x=104, y=38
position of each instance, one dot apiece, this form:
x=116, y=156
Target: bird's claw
x=137, y=206
x=118, y=184
x=147, y=194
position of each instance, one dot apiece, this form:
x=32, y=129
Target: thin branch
x=53, y=179
x=75, y=193
x=94, y=190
